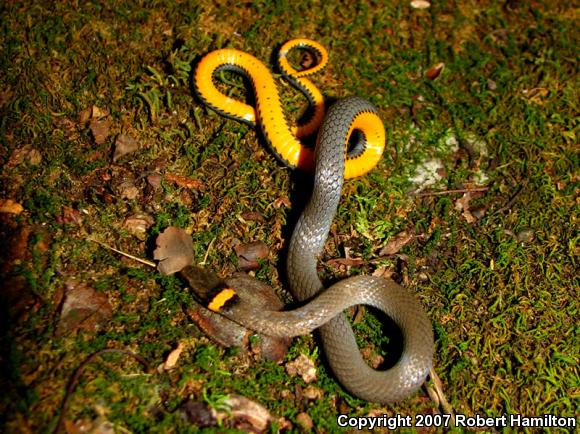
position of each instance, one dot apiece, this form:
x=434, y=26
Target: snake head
x=209, y=289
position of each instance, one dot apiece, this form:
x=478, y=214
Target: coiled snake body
x=333, y=164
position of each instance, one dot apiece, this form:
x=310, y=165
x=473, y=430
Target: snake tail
x=282, y=138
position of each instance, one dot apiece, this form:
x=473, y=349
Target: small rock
x=199, y=414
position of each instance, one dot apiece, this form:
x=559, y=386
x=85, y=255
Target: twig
x=512, y=200
x=135, y=258
x=440, y=193
x=437, y=395
x=207, y=251
x=72, y=383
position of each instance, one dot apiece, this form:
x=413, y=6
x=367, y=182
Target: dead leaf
x=383, y=272
x=282, y=202
x=312, y=393
x=85, y=116
x=249, y=416
x=435, y=71
x=100, y=130
x=138, y=224
x=302, y=366
x=174, y=250
x=83, y=308
x=396, y=243
x=304, y=421
x=8, y=206
x=536, y=95
x=25, y=153
x=69, y=215
x=462, y=204
x=172, y=358
x=254, y=216
x=249, y=254
x=124, y=145
x=99, y=113
x=183, y=181
x=128, y=190
x=307, y=60
x=372, y=358
x=347, y=262
x=420, y=4
x=154, y=181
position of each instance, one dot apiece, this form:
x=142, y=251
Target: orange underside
x=270, y=114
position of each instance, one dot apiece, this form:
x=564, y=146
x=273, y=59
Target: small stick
x=135, y=258
x=439, y=193
x=207, y=251
x=512, y=200
x=437, y=395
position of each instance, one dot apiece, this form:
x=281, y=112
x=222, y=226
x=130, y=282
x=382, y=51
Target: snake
x=350, y=142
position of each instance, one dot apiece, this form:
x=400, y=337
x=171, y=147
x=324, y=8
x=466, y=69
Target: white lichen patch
x=427, y=174
x=430, y=169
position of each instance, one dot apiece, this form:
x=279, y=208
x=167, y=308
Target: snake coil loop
x=332, y=163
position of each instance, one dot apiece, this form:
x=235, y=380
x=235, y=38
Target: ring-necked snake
x=335, y=159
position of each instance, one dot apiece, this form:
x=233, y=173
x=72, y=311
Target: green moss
x=503, y=307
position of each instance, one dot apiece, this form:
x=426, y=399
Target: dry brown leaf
x=128, y=190
x=282, y=202
x=383, y=272
x=302, y=366
x=174, y=250
x=154, y=181
x=312, y=393
x=347, y=262
x=248, y=415
x=253, y=216
x=304, y=421
x=396, y=243
x=124, y=145
x=462, y=204
x=69, y=215
x=172, y=358
x=25, y=153
x=184, y=181
x=249, y=254
x=307, y=60
x=83, y=308
x=99, y=113
x=8, y=206
x=100, y=130
x=435, y=71
x=138, y=224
